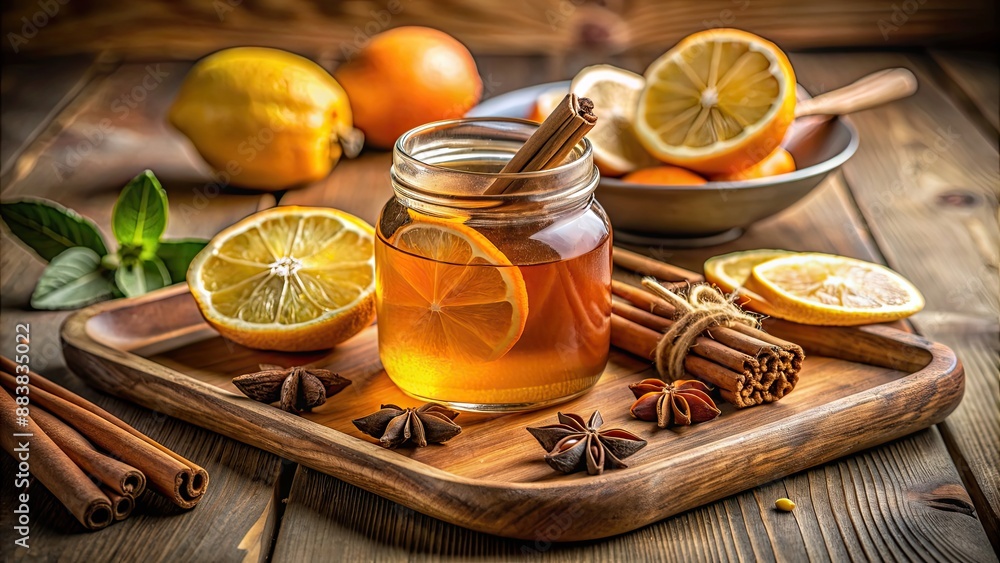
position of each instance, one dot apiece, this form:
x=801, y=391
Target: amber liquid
x=560, y=354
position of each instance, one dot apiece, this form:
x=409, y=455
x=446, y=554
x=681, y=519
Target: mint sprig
x=81, y=271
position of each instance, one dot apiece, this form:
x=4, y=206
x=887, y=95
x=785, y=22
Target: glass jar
x=491, y=303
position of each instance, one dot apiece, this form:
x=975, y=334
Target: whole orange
x=665, y=175
x=778, y=162
x=406, y=77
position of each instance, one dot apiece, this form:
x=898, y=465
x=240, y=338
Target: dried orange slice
x=615, y=92
x=822, y=289
x=450, y=292
x=288, y=278
x=718, y=102
x=730, y=272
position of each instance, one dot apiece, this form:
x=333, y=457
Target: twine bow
x=702, y=308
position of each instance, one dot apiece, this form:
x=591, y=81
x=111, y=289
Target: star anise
x=574, y=446
x=297, y=388
x=681, y=403
x=395, y=426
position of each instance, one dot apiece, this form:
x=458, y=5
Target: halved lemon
x=450, y=292
x=822, y=289
x=730, y=272
x=615, y=93
x=718, y=102
x=288, y=278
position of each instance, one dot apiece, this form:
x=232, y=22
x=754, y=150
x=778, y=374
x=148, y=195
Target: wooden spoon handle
x=865, y=93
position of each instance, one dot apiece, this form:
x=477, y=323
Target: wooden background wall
x=187, y=29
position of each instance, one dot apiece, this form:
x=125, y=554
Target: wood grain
x=927, y=185
x=834, y=520
x=859, y=507
x=163, y=29
x=32, y=99
x=973, y=77
x=222, y=526
x=491, y=478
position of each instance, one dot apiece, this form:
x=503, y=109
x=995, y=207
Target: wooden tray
x=859, y=388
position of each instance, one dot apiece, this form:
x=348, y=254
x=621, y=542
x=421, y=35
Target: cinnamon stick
x=705, y=347
x=647, y=266
x=114, y=475
x=551, y=143
x=165, y=474
x=121, y=505
x=716, y=355
x=46, y=462
x=195, y=486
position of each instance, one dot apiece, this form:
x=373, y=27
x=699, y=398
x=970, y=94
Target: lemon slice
x=822, y=289
x=615, y=92
x=449, y=292
x=288, y=278
x=730, y=271
x=718, y=102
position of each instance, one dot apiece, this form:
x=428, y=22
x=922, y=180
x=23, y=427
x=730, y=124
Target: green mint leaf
x=49, y=228
x=137, y=277
x=140, y=214
x=177, y=255
x=72, y=279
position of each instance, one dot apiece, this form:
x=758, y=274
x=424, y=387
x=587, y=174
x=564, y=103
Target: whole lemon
x=406, y=77
x=266, y=118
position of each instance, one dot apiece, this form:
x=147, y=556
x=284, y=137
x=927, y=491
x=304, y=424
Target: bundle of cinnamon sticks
x=92, y=461
x=748, y=365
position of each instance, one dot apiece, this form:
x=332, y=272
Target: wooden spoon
x=813, y=114
x=873, y=90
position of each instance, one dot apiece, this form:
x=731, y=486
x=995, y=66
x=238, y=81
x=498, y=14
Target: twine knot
x=703, y=307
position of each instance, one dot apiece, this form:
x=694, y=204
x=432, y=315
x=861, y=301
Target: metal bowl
x=692, y=216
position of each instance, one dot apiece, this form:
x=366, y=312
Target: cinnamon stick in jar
x=551, y=143
x=53, y=468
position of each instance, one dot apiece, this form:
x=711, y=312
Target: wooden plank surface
x=926, y=181
x=900, y=499
x=845, y=509
x=161, y=29
x=31, y=99
x=740, y=526
x=977, y=77
x=231, y=523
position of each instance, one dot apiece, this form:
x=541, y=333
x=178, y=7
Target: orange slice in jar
x=455, y=291
x=718, y=102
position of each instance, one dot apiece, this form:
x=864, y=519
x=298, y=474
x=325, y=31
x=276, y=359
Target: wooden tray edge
x=551, y=510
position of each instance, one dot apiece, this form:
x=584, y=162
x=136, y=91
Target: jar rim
x=583, y=160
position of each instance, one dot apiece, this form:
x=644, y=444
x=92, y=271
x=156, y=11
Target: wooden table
x=920, y=195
